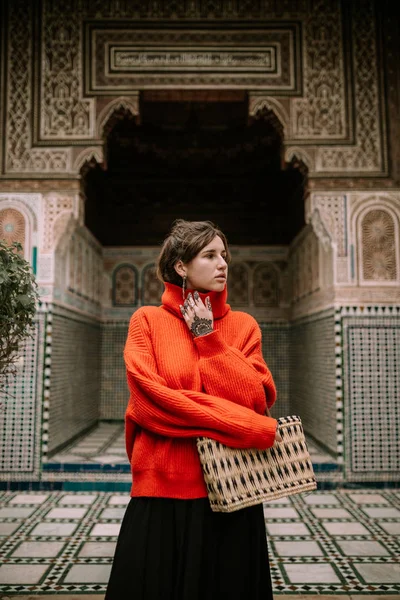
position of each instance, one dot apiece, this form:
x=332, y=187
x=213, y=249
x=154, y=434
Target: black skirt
x=171, y=549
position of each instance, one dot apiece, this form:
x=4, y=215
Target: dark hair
x=185, y=240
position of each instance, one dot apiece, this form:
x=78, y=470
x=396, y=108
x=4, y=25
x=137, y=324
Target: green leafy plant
x=18, y=302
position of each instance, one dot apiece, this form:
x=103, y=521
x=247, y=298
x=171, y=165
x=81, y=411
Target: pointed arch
x=20, y=222
x=265, y=103
x=372, y=216
x=267, y=115
x=294, y=154
x=87, y=156
x=123, y=104
x=378, y=246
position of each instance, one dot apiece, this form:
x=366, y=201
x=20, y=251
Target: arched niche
x=238, y=284
x=12, y=226
x=125, y=285
x=378, y=246
x=152, y=288
x=16, y=226
x=265, y=285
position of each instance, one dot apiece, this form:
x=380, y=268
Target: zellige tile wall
x=275, y=347
x=114, y=388
x=372, y=396
x=21, y=410
x=312, y=376
x=75, y=376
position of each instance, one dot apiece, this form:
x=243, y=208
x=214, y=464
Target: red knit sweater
x=183, y=387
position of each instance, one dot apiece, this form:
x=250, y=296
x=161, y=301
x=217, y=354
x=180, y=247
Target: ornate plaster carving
x=39, y=138
x=129, y=103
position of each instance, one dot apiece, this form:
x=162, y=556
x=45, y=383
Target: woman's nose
x=222, y=262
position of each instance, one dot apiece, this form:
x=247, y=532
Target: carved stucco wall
x=320, y=73
x=362, y=231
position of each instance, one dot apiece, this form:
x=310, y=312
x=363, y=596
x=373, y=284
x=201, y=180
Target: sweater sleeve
x=240, y=375
x=183, y=413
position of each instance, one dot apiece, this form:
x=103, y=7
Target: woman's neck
x=172, y=298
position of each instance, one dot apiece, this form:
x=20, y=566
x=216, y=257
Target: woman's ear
x=179, y=268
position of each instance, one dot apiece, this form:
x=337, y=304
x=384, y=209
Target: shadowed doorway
x=194, y=155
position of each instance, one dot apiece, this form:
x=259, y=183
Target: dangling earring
x=183, y=286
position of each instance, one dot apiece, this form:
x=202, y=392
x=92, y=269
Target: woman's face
x=208, y=271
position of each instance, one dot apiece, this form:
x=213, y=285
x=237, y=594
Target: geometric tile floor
x=104, y=444
x=339, y=542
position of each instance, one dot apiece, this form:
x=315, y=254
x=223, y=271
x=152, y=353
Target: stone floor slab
x=302, y=548
x=38, y=549
x=116, y=500
x=16, y=512
x=58, y=529
x=9, y=528
x=362, y=548
x=309, y=573
x=22, y=574
x=381, y=513
x=379, y=573
x=345, y=528
x=105, y=529
x=321, y=499
x=280, y=513
x=88, y=574
x=78, y=499
x=112, y=513
x=368, y=498
x=287, y=529
x=29, y=499
x=392, y=528
x=97, y=549
x=331, y=513
x=66, y=513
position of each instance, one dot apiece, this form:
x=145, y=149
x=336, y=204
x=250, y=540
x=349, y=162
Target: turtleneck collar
x=172, y=298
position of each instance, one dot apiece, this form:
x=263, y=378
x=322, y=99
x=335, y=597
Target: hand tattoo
x=201, y=326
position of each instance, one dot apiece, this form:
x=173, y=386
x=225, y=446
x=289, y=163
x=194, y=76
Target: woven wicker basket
x=238, y=478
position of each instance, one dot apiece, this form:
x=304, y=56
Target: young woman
x=194, y=368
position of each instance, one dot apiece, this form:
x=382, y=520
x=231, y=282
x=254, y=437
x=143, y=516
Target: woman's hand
x=198, y=316
x=278, y=437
